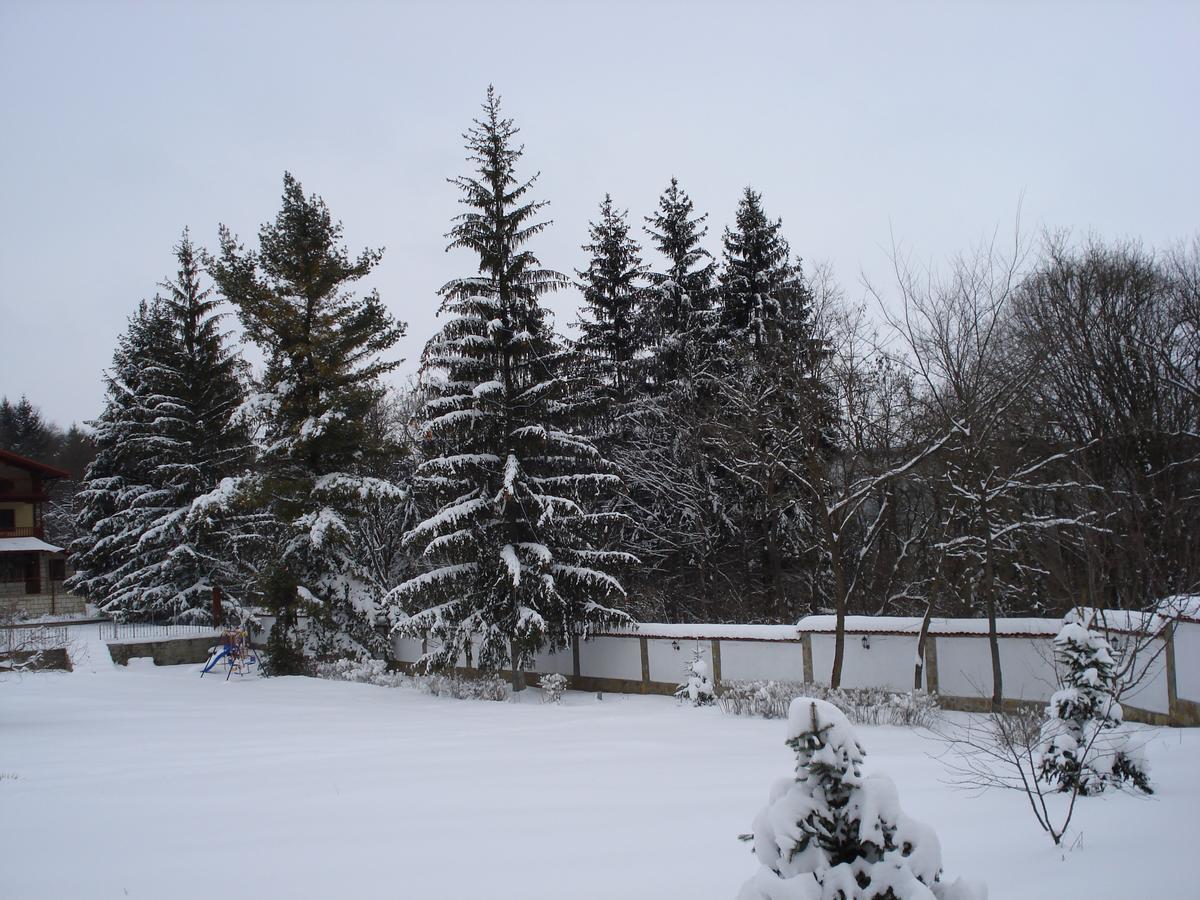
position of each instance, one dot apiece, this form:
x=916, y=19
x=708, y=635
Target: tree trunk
x=989, y=599
x=919, y=667
x=518, y=677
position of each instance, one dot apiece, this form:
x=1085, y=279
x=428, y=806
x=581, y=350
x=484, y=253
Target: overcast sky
x=120, y=123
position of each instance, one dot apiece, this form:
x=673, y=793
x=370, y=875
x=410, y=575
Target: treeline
x=726, y=439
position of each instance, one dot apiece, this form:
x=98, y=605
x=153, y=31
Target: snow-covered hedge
x=862, y=706
x=832, y=833
x=485, y=687
x=365, y=671
x=553, y=686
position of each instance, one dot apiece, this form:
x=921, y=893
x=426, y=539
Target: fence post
x=645, y=665
x=1172, y=689
x=575, y=656
x=806, y=652
x=716, y=665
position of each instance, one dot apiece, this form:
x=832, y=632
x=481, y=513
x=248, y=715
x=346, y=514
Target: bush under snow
x=364, y=671
x=862, y=706
x=831, y=833
x=485, y=687
x=553, y=686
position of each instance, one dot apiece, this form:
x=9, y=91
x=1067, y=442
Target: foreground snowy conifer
x=697, y=686
x=831, y=833
x=1084, y=745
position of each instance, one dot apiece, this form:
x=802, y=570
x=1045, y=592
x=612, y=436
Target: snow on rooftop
x=26, y=545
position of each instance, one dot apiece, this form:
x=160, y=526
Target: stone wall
x=166, y=652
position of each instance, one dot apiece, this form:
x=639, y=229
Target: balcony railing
x=34, y=531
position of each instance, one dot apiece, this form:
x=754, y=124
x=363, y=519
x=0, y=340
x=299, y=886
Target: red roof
x=32, y=465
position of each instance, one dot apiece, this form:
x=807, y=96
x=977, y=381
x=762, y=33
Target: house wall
x=22, y=484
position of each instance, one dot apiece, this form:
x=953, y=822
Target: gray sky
x=124, y=122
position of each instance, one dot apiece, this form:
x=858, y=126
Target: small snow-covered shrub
x=832, y=833
x=879, y=706
x=1085, y=746
x=553, y=686
x=485, y=687
x=768, y=699
x=697, y=686
x=365, y=671
x=862, y=706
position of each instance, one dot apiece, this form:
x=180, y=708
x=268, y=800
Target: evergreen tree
x=169, y=430
x=611, y=323
x=1083, y=746
x=774, y=411
x=510, y=538
x=23, y=431
x=322, y=378
x=832, y=832
x=113, y=496
x=697, y=686
x=764, y=301
x=678, y=304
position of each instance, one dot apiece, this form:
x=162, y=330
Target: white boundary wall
x=879, y=652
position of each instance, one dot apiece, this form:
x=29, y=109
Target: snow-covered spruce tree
x=510, y=537
x=832, y=833
x=775, y=411
x=678, y=520
x=763, y=297
x=1084, y=748
x=678, y=304
x=322, y=377
x=195, y=385
x=697, y=685
x=171, y=412
x=109, y=518
x=611, y=326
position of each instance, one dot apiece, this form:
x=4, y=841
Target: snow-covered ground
x=153, y=783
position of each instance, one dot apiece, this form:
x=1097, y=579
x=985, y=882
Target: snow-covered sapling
x=697, y=685
x=553, y=686
x=1085, y=747
x=831, y=833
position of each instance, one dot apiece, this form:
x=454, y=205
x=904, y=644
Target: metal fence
x=120, y=631
x=26, y=639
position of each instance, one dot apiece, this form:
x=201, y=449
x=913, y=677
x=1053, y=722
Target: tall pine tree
x=774, y=409
x=764, y=300
x=611, y=322
x=169, y=431
x=678, y=304
x=322, y=378
x=510, y=537
x=116, y=485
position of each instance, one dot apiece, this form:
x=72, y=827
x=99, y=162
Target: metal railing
x=16, y=639
x=122, y=631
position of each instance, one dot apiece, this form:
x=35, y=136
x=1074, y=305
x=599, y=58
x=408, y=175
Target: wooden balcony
x=34, y=531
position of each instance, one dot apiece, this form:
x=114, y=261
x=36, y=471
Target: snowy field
x=152, y=783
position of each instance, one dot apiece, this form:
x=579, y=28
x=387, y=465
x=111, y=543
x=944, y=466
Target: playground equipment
x=235, y=653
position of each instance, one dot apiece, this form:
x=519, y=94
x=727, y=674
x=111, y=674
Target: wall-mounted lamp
x=866, y=642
